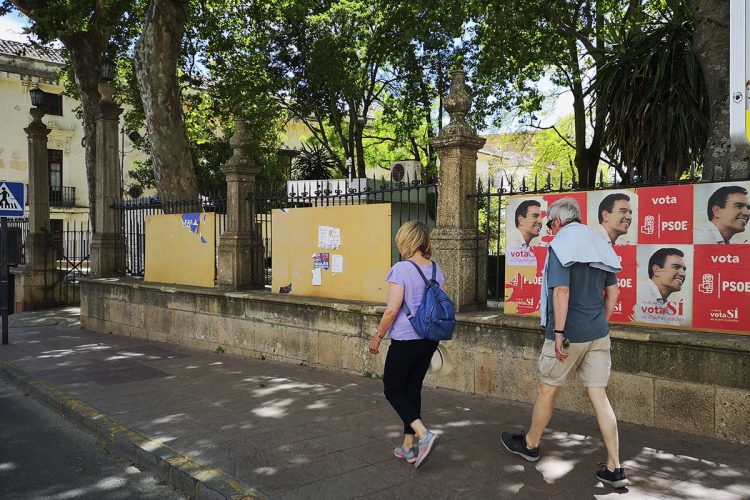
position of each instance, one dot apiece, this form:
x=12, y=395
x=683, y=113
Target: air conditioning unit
x=406, y=170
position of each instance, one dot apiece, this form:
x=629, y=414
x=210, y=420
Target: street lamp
x=108, y=70
x=37, y=97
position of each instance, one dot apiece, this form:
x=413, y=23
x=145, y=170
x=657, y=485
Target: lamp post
x=106, y=243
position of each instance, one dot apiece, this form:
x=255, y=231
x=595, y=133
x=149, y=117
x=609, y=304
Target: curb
x=192, y=478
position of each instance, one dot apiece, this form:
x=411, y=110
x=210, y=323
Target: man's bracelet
x=559, y=331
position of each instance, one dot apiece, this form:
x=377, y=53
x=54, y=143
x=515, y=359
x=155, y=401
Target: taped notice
x=317, y=277
x=329, y=237
x=337, y=263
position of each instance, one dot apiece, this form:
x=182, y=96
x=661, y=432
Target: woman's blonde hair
x=412, y=236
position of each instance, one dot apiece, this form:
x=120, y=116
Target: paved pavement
x=293, y=431
x=43, y=456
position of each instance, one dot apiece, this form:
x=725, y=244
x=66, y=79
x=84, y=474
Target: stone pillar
x=39, y=256
x=240, y=246
x=457, y=244
x=107, y=242
x=31, y=283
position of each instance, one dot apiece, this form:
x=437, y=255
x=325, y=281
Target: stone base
x=105, y=250
x=33, y=290
x=40, y=252
x=462, y=254
x=240, y=262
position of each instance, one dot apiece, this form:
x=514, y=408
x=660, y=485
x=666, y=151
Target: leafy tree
x=650, y=94
x=314, y=162
x=516, y=44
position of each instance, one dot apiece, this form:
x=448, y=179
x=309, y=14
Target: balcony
x=62, y=196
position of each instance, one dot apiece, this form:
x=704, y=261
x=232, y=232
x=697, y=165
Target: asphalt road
x=43, y=456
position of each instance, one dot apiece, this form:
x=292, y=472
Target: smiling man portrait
x=615, y=217
x=728, y=211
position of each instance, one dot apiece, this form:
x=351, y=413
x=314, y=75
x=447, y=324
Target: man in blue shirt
x=580, y=295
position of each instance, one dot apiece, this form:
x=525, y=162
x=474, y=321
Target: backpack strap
x=404, y=307
x=427, y=283
x=434, y=271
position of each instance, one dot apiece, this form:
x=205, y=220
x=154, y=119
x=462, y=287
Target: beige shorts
x=590, y=360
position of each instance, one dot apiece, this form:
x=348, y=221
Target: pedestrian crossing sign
x=11, y=199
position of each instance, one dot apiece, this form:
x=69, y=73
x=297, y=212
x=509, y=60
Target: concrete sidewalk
x=219, y=425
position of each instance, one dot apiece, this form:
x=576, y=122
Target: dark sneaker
x=615, y=478
x=516, y=443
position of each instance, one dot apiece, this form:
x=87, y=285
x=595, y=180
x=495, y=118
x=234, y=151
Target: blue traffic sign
x=11, y=199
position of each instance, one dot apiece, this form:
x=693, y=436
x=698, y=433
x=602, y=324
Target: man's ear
x=715, y=211
x=655, y=270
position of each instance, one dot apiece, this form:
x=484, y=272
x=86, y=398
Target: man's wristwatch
x=559, y=331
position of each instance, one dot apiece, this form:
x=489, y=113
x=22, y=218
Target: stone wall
x=692, y=382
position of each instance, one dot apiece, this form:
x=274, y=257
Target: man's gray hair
x=565, y=209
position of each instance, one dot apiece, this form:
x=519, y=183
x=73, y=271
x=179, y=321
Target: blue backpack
x=435, y=318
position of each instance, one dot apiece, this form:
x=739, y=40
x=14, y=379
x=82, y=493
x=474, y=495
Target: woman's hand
x=375, y=344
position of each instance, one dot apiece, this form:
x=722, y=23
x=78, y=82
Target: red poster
x=721, y=289
x=627, y=280
x=665, y=215
x=523, y=285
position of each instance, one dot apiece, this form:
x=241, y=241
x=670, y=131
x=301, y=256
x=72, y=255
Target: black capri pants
x=406, y=365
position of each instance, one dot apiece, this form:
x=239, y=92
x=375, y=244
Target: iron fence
x=492, y=201
x=410, y=200
x=71, y=248
x=132, y=253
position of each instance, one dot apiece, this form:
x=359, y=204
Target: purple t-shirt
x=405, y=274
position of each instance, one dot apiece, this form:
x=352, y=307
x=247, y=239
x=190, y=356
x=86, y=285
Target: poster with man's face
x=523, y=229
x=722, y=213
x=665, y=276
x=614, y=216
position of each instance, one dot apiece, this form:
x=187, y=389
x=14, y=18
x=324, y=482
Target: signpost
x=11, y=205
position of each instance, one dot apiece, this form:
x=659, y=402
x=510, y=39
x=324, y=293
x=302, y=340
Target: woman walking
x=409, y=355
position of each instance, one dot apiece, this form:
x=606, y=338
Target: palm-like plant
x=650, y=87
x=314, y=162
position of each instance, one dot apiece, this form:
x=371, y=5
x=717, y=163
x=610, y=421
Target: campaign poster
x=523, y=285
x=721, y=213
x=523, y=229
x=614, y=215
x=664, y=215
x=721, y=288
x=665, y=293
x=627, y=280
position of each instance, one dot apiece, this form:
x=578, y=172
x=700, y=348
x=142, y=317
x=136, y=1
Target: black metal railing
x=62, y=196
x=72, y=258
x=18, y=230
x=411, y=200
x=131, y=256
x=491, y=204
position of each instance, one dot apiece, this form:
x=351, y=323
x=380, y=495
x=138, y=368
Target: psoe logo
x=649, y=223
x=725, y=315
x=707, y=284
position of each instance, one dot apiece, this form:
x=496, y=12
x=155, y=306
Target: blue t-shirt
x=405, y=274
x=585, y=321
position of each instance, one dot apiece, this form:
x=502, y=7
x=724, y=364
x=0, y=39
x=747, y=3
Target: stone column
x=457, y=244
x=240, y=246
x=39, y=256
x=107, y=241
x=31, y=282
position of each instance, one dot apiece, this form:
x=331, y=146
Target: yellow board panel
x=180, y=249
x=365, y=247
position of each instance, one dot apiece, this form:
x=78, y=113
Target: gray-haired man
x=580, y=292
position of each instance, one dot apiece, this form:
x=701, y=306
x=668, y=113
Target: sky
x=11, y=27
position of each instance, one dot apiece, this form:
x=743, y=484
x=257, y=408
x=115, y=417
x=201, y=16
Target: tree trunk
x=711, y=42
x=156, y=56
x=86, y=51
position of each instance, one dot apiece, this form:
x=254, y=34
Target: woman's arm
x=394, y=299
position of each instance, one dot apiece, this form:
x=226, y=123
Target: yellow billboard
x=181, y=249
